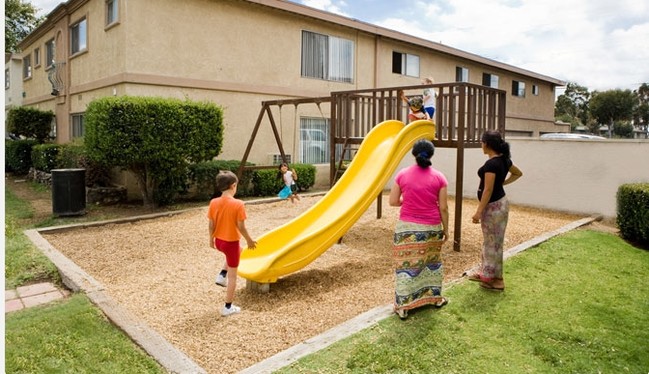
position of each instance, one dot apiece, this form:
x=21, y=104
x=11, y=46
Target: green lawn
x=576, y=304
x=71, y=336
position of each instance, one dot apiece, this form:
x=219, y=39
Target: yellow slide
x=297, y=243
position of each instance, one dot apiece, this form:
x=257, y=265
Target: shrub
x=633, y=212
x=44, y=157
x=73, y=156
x=154, y=138
x=268, y=182
x=203, y=176
x=30, y=123
x=18, y=155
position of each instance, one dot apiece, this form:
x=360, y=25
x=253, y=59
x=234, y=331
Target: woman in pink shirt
x=421, y=192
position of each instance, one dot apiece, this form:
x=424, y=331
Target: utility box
x=68, y=192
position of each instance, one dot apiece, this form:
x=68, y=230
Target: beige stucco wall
x=236, y=54
x=579, y=176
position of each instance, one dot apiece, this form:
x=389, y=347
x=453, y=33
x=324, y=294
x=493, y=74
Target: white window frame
x=112, y=12
x=518, y=88
x=327, y=57
x=405, y=64
x=27, y=66
x=7, y=79
x=79, y=36
x=535, y=90
x=77, y=125
x=490, y=80
x=314, y=150
x=50, y=53
x=461, y=74
x=37, y=57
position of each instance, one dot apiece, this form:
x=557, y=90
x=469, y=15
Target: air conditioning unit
x=276, y=158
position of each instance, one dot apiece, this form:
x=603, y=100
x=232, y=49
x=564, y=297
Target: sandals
x=441, y=303
x=403, y=313
x=489, y=286
x=475, y=277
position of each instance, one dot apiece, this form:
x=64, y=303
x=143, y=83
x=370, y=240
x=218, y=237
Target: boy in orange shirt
x=227, y=217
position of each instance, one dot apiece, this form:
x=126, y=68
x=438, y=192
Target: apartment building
x=238, y=53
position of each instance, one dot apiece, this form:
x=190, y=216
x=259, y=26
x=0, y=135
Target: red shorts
x=231, y=250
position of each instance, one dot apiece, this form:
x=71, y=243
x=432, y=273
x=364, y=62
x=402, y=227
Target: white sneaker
x=233, y=309
x=221, y=280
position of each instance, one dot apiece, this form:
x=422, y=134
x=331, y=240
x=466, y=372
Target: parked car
x=564, y=135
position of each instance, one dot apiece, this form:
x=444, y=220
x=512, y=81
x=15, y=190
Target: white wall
x=577, y=176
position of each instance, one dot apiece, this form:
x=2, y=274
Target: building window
x=518, y=88
x=405, y=64
x=461, y=74
x=490, y=80
x=7, y=79
x=314, y=140
x=78, y=129
x=327, y=57
x=535, y=90
x=37, y=57
x=111, y=12
x=27, y=67
x=50, y=50
x=78, y=37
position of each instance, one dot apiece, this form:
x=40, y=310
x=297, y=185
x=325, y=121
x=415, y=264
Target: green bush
x=74, y=156
x=18, y=155
x=30, y=123
x=203, y=176
x=44, y=157
x=154, y=138
x=268, y=182
x=633, y=212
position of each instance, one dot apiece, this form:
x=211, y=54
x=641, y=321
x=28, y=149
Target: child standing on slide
x=227, y=217
x=290, y=188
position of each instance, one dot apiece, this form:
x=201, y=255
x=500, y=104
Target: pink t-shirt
x=420, y=190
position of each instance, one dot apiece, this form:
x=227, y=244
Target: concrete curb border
x=377, y=314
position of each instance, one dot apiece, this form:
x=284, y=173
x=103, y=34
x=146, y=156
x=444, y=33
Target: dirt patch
x=163, y=272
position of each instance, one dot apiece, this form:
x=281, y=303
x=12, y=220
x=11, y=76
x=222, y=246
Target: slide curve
x=297, y=243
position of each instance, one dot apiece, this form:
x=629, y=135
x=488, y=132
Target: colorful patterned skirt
x=417, y=252
x=494, y=223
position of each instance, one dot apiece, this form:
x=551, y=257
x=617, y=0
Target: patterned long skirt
x=417, y=253
x=494, y=222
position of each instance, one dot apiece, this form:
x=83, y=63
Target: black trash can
x=68, y=192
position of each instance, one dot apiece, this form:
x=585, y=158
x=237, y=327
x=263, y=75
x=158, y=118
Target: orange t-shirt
x=226, y=212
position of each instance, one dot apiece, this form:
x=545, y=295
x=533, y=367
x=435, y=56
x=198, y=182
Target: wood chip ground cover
x=163, y=271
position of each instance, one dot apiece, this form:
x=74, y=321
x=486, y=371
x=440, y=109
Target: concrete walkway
x=32, y=295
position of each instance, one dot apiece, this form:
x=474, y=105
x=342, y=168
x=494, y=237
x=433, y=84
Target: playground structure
x=464, y=112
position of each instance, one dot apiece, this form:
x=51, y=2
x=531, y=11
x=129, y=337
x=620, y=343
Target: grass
x=71, y=336
x=24, y=263
x=575, y=304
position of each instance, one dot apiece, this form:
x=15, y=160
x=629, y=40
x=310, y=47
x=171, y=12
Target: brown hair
x=224, y=180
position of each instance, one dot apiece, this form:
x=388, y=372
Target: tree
x=154, y=138
x=611, y=106
x=20, y=20
x=641, y=110
x=573, y=103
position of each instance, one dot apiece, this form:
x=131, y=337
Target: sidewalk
x=32, y=295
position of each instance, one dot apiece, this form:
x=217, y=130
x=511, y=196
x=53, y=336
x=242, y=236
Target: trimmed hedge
x=268, y=182
x=203, y=176
x=30, y=123
x=18, y=155
x=633, y=212
x=44, y=157
x=154, y=138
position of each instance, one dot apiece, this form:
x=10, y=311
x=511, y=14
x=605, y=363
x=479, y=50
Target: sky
x=599, y=44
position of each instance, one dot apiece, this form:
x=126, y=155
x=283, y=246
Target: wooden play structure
x=464, y=111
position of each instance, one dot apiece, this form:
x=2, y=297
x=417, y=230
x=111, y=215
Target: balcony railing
x=55, y=76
